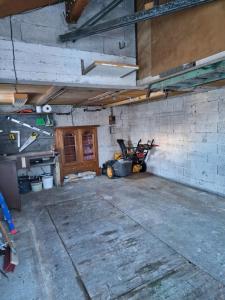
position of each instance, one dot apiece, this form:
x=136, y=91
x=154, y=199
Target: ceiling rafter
x=74, y=9
x=13, y=7
x=50, y=94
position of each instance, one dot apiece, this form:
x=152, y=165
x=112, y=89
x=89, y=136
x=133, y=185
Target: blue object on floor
x=7, y=215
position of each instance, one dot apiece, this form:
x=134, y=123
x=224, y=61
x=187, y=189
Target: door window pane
x=69, y=141
x=88, y=145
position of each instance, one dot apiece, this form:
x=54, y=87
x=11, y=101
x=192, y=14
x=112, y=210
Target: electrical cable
x=12, y=41
x=72, y=111
x=13, y=52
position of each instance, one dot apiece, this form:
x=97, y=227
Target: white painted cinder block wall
x=191, y=133
x=189, y=129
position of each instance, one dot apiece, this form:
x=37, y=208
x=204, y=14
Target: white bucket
x=36, y=186
x=47, y=182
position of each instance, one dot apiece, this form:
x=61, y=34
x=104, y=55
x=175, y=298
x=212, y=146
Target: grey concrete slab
x=190, y=221
x=113, y=254
x=132, y=238
x=45, y=270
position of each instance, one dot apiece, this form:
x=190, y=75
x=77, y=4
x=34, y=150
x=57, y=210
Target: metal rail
x=191, y=79
x=161, y=10
x=93, y=20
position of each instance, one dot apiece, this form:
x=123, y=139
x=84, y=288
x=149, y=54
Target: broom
x=11, y=258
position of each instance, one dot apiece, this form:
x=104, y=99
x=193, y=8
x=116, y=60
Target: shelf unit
x=78, y=147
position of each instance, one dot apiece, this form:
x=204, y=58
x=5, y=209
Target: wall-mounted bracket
x=105, y=68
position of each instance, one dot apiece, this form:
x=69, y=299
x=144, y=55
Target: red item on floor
x=7, y=265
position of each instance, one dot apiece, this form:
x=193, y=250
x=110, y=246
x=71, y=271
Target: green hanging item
x=40, y=122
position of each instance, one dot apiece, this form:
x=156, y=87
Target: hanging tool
x=48, y=122
x=40, y=122
x=29, y=141
x=12, y=136
x=29, y=126
x=18, y=136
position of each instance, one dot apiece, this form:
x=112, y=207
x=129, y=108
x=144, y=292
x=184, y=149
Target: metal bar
x=191, y=79
x=161, y=10
x=197, y=73
x=93, y=20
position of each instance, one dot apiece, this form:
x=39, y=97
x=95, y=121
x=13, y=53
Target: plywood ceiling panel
x=187, y=36
x=77, y=95
x=143, y=44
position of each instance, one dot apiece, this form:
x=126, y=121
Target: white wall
x=42, y=64
x=189, y=129
x=43, y=26
x=31, y=52
x=191, y=133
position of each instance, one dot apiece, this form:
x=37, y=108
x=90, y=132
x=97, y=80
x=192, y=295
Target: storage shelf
x=42, y=164
x=22, y=114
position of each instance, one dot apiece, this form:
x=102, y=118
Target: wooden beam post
x=45, y=98
x=13, y=7
x=154, y=95
x=74, y=9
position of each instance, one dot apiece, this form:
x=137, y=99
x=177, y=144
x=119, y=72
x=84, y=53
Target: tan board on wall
x=183, y=37
x=143, y=44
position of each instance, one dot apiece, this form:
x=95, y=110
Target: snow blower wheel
x=110, y=172
x=143, y=167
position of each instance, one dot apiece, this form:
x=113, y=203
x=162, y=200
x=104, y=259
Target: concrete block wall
x=191, y=133
x=189, y=129
x=43, y=26
x=107, y=135
x=62, y=66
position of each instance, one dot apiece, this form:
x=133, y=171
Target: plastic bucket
x=47, y=182
x=36, y=186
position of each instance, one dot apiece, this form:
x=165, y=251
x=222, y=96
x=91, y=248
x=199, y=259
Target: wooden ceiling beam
x=23, y=88
x=50, y=94
x=74, y=9
x=153, y=96
x=13, y=7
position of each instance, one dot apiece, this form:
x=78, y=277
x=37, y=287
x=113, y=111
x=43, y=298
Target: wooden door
x=78, y=147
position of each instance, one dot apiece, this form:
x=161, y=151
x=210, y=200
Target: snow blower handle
x=152, y=144
x=139, y=143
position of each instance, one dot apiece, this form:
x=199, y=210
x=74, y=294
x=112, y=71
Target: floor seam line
x=80, y=281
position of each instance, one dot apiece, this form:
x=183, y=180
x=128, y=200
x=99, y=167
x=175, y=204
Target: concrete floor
x=141, y=237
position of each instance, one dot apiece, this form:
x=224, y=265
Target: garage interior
x=112, y=143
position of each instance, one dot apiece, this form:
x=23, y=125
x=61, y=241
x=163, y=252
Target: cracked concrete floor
x=140, y=237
